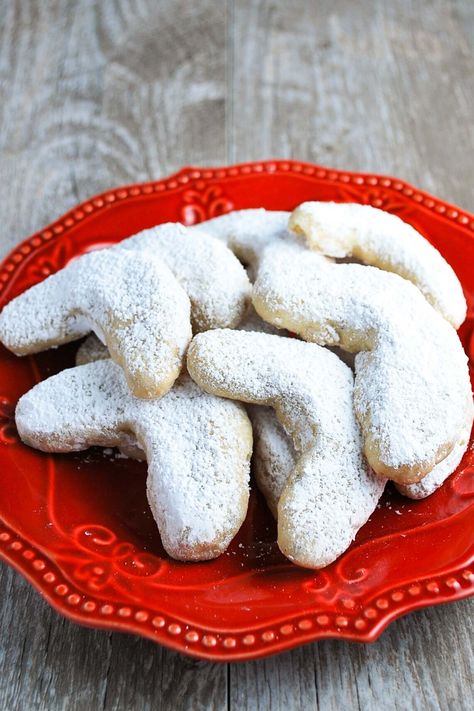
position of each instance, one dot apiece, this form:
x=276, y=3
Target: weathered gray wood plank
x=424, y=661
x=94, y=94
x=50, y=664
x=374, y=86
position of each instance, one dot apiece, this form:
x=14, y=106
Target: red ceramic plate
x=78, y=526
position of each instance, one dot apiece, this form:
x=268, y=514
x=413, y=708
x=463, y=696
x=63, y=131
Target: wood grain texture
x=98, y=93
x=384, y=87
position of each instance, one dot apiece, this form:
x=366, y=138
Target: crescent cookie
x=136, y=297
x=198, y=448
x=412, y=390
x=136, y=306
x=331, y=491
x=382, y=240
x=274, y=455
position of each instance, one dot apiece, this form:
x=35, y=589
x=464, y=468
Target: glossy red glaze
x=78, y=527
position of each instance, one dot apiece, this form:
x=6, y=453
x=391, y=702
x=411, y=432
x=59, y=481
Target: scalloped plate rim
x=282, y=644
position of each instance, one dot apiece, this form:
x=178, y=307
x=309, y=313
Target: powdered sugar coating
x=197, y=446
x=412, y=389
x=437, y=476
x=248, y=232
x=135, y=306
x=331, y=491
x=273, y=457
x=383, y=240
x=210, y=274
x=90, y=351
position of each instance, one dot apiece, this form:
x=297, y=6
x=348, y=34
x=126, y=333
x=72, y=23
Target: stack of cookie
x=182, y=340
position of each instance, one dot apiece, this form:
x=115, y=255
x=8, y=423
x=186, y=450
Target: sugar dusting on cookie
x=383, y=240
x=273, y=454
x=198, y=448
x=438, y=475
x=331, y=491
x=136, y=306
x=248, y=232
x=210, y=274
x=412, y=389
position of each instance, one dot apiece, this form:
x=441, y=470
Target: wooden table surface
x=95, y=94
